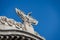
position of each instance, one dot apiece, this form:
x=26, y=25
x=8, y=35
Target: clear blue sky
x=47, y=12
